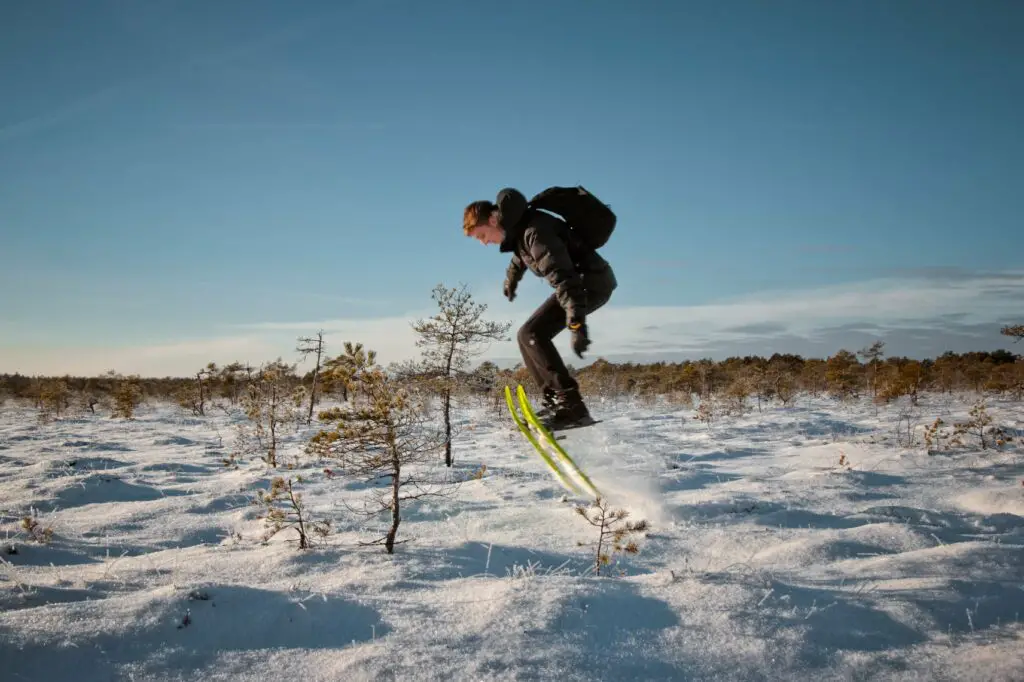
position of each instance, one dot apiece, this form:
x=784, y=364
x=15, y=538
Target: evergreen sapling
x=614, y=531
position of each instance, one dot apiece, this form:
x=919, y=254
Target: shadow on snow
x=222, y=620
x=832, y=621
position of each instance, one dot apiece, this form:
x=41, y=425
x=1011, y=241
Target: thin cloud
x=177, y=358
x=348, y=300
x=211, y=349
x=663, y=263
x=952, y=274
x=81, y=105
x=827, y=248
x=241, y=126
x=370, y=324
x=914, y=316
x=885, y=304
x=287, y=34
x=758, y=329
x=60, y=114
x=320, y=296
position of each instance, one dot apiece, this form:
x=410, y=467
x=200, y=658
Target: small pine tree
x=934, y=437
x=54, y=398
x=127, y=394
x=341, y=373
x=385, y=438
x=708, y=374
x=737, y=393
x=270, y=403
x=232, y=381
x=873, y=355
x=285, y=509
x=842, y=375
x=708, y=411
x=977, y=424
x=614, y=531
x=449, y=339
x=814, y=376
x=785, y=386
x=193, y=397
x=1007, y=378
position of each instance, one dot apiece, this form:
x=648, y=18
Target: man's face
x=489, y=232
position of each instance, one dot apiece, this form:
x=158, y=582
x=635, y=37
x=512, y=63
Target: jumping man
x=582, y=279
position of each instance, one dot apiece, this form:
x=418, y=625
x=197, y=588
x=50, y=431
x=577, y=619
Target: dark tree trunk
x=396, y=517
x=447, y=427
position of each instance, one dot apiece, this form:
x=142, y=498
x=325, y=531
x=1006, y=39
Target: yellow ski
x=531, y=418
x=525, y=428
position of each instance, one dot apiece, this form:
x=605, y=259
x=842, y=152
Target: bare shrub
x=1016, y=331
x=36, y=531
x=311, y=346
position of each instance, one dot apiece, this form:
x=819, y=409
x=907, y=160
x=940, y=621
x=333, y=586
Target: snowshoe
x=567, y=412
x=549, y=405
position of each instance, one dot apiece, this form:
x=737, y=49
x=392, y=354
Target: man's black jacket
x=544, y=243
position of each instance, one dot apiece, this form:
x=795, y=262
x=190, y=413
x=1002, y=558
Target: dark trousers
x=536, y=335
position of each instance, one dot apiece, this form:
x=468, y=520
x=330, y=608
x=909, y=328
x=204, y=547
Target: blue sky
x=184, y=182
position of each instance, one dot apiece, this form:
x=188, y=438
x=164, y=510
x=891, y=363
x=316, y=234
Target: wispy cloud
x=880, y=306
x=271, y=126
x=757, y=328
x=283, y=35
x=663, y=263
x=175, y=358
x=957, y=312
x=827, y=248
x=60, y=114
x=76, y=107
x=917, y=315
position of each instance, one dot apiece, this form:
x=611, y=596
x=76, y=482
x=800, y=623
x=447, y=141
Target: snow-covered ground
x=800, y=543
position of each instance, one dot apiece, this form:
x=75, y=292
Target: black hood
x=512, y=216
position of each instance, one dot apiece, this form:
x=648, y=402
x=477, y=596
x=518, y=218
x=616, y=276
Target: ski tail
x=532, y=420
x=524, y=426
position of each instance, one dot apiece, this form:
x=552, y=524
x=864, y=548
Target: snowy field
x=801, y=543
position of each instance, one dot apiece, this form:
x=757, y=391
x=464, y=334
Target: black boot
x=569, y=412
x=548, y=405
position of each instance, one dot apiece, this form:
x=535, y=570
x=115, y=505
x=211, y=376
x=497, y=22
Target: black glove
x=580, y=339
x=513, y=273
x=509, y=288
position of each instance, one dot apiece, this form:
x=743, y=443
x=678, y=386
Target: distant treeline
x=844, y=375
x=779, y=377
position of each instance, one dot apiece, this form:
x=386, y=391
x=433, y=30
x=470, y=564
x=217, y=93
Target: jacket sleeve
x=516, y=269
x=555, y=265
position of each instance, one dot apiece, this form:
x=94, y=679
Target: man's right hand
x=513, y=273
x=510, y=288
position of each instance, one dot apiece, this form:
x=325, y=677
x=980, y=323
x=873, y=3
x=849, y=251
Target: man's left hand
x=580, y=339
